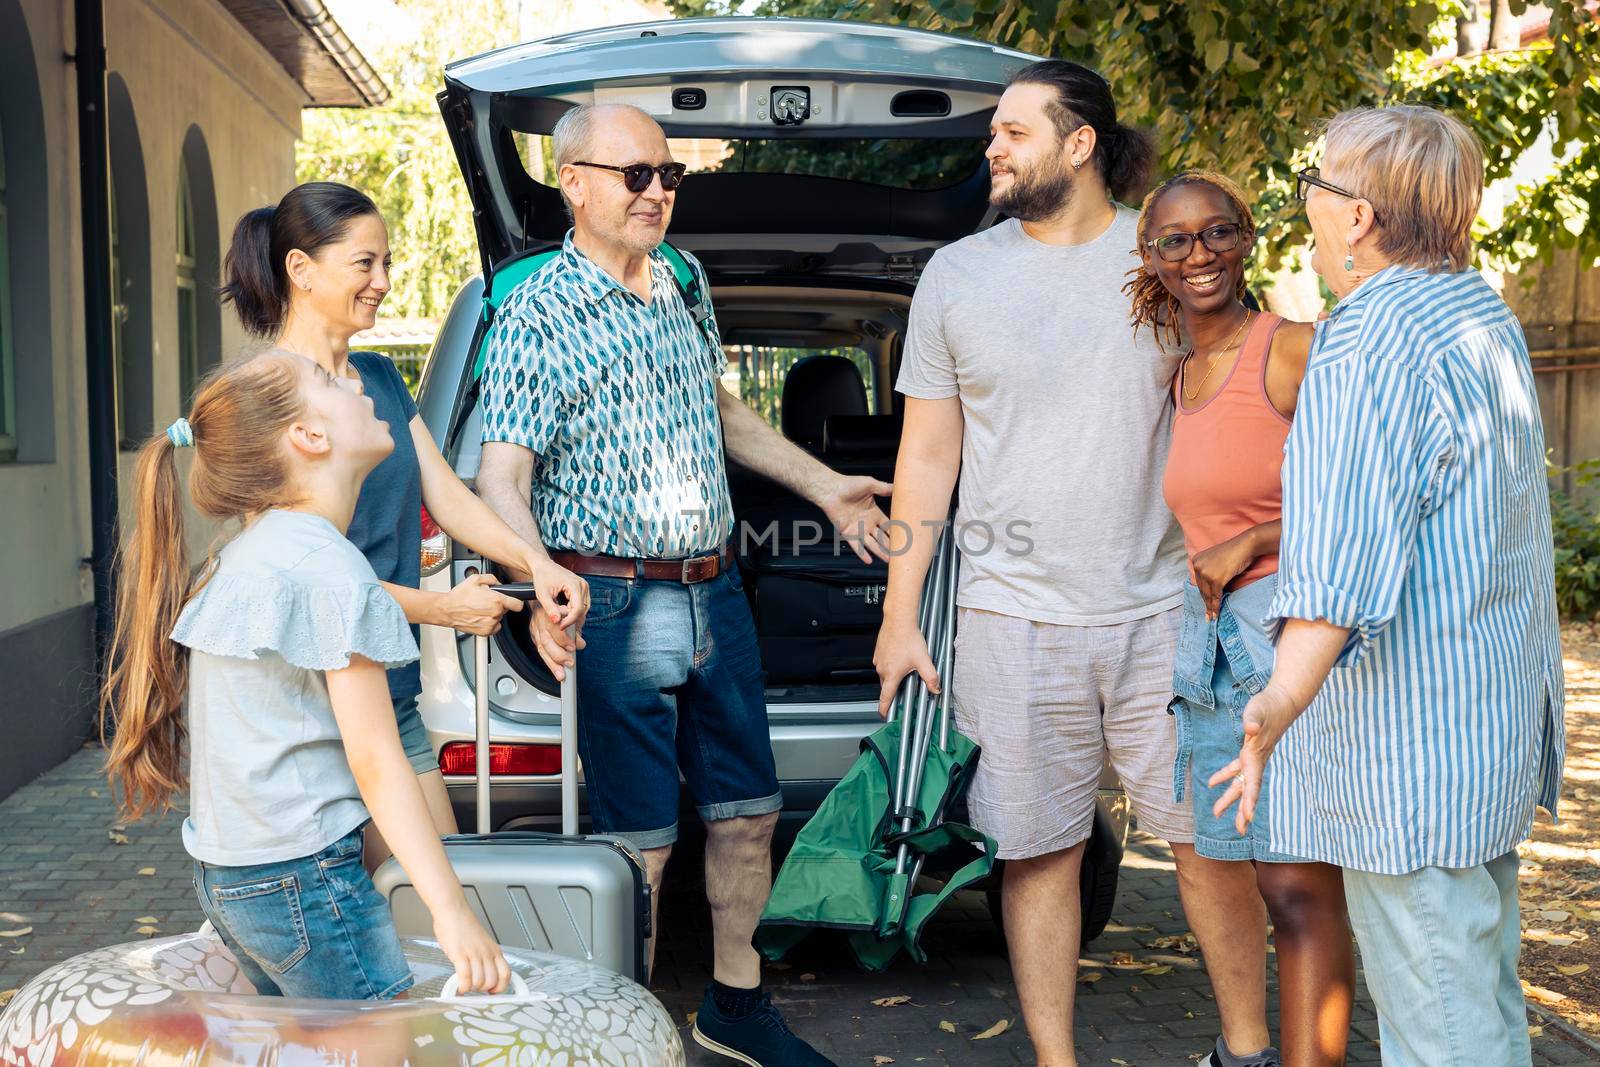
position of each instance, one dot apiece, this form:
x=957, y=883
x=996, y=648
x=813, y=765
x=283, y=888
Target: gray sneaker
x=1267, y=1057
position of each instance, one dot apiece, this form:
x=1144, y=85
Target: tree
x=1241, y=87
x=400, y=154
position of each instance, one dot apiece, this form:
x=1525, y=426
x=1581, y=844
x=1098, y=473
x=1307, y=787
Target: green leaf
x=1216, y=54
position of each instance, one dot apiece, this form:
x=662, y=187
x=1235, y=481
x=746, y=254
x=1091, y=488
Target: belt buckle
x=683, y=571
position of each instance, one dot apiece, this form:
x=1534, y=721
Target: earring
x=1350, y=259
x=1077, y=164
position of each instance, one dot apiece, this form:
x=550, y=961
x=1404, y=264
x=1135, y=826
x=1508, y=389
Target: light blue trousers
x=1439, y=947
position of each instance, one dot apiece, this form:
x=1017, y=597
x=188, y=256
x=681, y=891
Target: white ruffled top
x=289, y=598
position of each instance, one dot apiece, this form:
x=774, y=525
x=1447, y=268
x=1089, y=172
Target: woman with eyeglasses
x=1233, y=399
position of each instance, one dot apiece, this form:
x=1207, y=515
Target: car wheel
x=1097, y=886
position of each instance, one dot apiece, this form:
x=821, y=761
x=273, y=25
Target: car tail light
x=435, y=545
x=461, y=757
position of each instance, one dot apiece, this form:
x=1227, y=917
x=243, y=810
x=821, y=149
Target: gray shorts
x=1048, y=704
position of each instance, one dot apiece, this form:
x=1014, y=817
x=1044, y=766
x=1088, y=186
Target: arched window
x=198, y=252
x=188, y=305
x=130, y=269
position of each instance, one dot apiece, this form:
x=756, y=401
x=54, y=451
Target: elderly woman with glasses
x=1418, y=654
x=1234, y=398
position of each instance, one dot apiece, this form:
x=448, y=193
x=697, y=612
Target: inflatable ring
x=183, y=1000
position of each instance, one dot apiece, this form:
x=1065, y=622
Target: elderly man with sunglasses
x=601, y=399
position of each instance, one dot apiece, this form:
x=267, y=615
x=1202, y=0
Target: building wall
x=192, y=76
x=1561, y=313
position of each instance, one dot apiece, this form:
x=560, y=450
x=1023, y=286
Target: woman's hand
x=557, y=618
x=1266, y=717
x=479, y=963
x=1217, y=566
x=474, y=607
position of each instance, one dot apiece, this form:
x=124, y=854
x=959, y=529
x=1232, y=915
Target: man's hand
x=1266, y=717
x=901, y=650
x=563, y=604
x=850, y=503
x=1217, y=566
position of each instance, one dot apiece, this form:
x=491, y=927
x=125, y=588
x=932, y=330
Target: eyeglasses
x=636, y=176
x=1173, y=247
x=1313, y=176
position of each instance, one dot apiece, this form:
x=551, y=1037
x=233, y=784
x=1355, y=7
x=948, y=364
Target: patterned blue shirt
x=1416, y=513
x=617, y=398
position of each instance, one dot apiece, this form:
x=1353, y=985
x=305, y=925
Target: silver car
x=828, y=162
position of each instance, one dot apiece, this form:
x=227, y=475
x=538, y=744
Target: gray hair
x=1422, y=171
x=573, y=133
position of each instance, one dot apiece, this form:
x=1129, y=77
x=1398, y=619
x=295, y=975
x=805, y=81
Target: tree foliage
x=400, y=154
x=1242, y=87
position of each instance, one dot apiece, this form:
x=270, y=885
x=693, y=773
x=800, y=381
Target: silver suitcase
x=585, y=897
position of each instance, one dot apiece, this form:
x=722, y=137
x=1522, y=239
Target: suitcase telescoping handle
x=524, y=592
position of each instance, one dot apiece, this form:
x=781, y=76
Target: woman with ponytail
x=1233, y=398
x=279, y=648
x=308, y=274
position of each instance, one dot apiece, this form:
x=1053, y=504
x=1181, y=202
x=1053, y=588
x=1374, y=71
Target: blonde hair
x=1422, y=171
x=1153, y=304
x=239, y=416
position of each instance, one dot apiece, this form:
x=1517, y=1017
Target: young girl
x=1234, y=398
x=281, y=648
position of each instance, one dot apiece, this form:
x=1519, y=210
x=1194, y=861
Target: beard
x=1040, y=192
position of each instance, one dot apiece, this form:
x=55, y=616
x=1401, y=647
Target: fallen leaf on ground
x=779, y=966
x=6, y=995
x=947, y=1026
x=117, y=837
x=1090, y=976
x=147, y=930
x=147, y=871
x=692, y=1016
x=808, y=977
x=879, y=1061
x=1121, y=1063
x=1145, y=929
x=1572, y=969
x=1541, y=994
x=891, y=1002
x=12, y=917
x=21, y=931
x=1535, y=1031
x=147, y=919
x=1555, y=916
x=994, y=1031
x=94, y=792
x=1160, y=969
x=1122, y=959
x=18, y=951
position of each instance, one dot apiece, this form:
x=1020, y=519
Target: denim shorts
x=309, y=927
x=1222, y=662
x=414, y=736
x=669, y=680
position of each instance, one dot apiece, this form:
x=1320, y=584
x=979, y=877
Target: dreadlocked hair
x=1153, y=305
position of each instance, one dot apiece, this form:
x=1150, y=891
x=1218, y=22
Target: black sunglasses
x=636, y=176
x=1313, y=176
x=1173, y=247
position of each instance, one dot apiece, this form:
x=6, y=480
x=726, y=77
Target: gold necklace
x=1213, y=366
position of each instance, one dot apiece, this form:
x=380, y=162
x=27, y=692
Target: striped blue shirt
x=1416, y=513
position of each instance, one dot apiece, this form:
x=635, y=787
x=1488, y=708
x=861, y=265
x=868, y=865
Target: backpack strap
x=690, y=291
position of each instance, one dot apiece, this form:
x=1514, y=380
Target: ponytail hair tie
x=181, y=434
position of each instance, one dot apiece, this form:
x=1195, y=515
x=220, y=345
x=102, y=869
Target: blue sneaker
x=760, y=1039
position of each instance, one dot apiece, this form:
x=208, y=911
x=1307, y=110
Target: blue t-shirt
x=387, y=526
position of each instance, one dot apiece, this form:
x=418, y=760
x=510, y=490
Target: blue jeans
x=670, y=679
x=308, y=927
x=1439, y=947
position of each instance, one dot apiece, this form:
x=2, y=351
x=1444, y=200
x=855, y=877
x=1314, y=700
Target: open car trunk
x=829, y=162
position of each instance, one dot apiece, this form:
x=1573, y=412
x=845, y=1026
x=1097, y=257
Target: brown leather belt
x=687, y=571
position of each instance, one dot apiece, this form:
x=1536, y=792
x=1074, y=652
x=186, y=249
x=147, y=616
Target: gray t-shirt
x=289, y=599
x=1067, y=419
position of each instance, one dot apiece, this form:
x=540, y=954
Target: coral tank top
x=1222, y=473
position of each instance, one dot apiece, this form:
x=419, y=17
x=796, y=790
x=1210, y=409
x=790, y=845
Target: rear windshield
x=901, y=163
